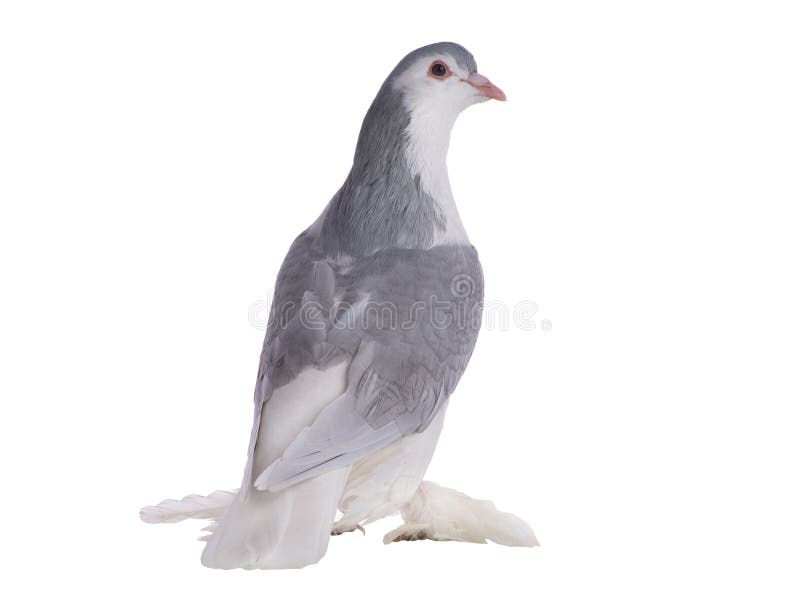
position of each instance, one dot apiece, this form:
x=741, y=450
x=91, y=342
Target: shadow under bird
x=376, y=312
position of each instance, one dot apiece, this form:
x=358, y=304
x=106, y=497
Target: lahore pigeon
x=375, y=314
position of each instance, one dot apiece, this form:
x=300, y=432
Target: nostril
x=476, y=79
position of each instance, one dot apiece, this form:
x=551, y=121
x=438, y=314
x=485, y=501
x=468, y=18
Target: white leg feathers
x=291, y=528
x=444, y=514
x=211, y=507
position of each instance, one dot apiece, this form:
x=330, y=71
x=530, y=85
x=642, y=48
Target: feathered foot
x=209, y=507
x=409, y=532
x=443, y=514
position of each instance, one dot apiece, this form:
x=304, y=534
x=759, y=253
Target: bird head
x=419, y=102
x=442, y=77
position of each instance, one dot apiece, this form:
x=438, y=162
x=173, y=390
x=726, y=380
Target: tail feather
x=277, y=530
x=211, y=506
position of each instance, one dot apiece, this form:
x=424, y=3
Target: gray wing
x=406, y=320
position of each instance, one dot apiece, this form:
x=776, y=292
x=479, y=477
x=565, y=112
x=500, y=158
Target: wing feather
x=400, y=372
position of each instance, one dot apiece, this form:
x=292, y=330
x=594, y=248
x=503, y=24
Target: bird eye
x=439, y=69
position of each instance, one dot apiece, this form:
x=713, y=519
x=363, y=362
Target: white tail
x=286, y=529
x=440, y=513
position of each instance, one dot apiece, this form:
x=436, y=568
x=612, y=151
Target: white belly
x=380, y=484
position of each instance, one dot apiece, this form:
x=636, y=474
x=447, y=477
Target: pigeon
x=375, y=314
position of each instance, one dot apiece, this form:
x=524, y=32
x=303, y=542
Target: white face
x=438, y=83
x=435, y=90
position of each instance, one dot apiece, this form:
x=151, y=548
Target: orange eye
x=438, y=70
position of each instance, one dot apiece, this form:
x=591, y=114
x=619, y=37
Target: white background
x=640, y=185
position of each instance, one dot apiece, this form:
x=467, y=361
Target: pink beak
x=485, y=87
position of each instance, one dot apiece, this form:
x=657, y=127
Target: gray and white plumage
x=375, y=315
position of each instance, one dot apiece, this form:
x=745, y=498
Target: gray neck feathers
x=381, y=203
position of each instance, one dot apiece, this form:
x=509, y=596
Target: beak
x=485, y=87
